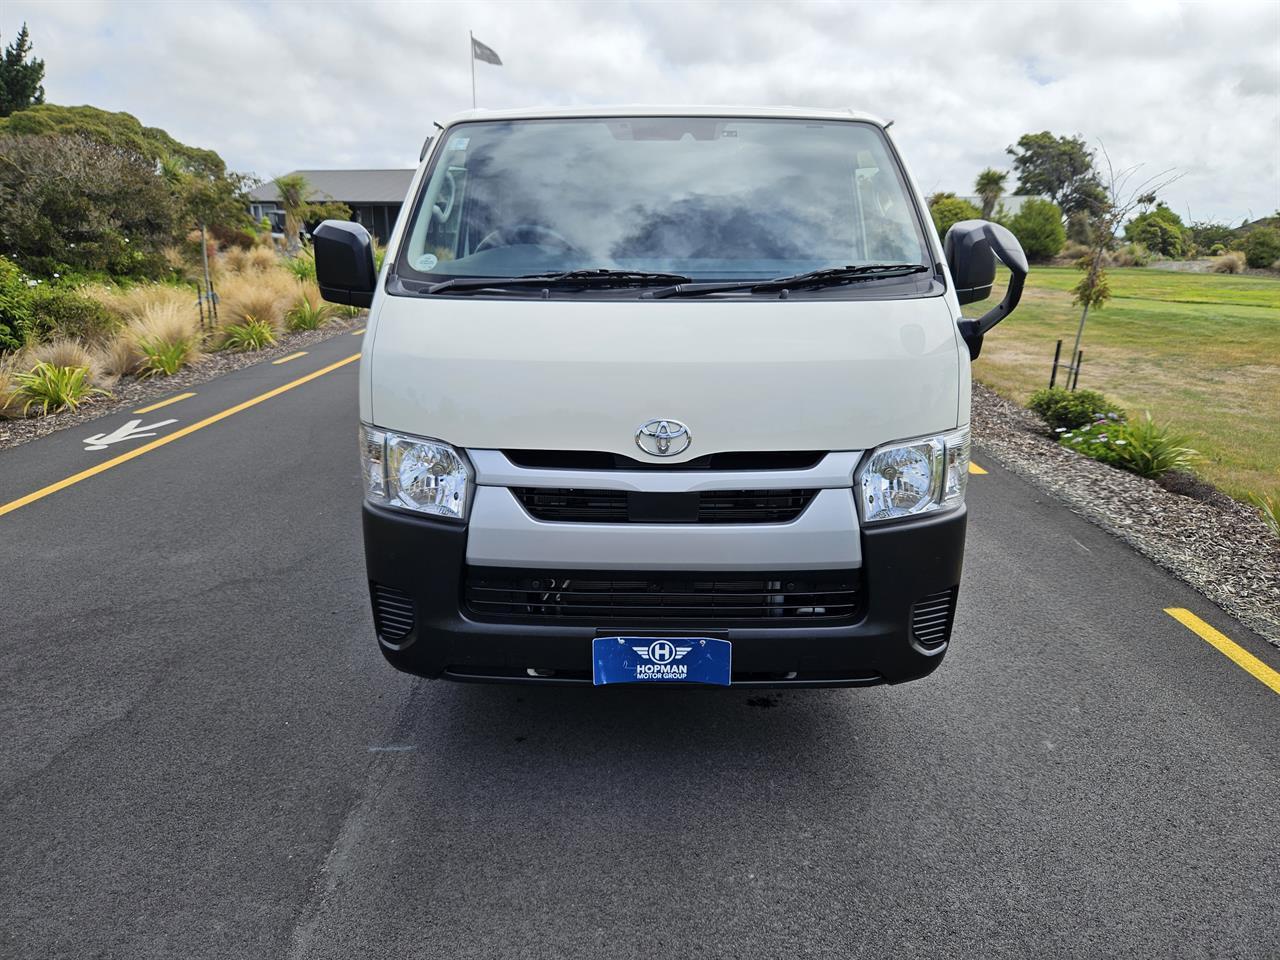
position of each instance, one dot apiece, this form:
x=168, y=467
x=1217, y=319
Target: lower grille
x=661, y=597
x=567, y=505
x=931, y=618
x=392, y=612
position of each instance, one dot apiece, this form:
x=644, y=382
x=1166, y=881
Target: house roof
x=348, y=186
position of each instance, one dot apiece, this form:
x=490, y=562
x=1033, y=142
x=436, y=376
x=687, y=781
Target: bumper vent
x=931, y=618
x=392, y=612
x=565, y=505
x=648, y=598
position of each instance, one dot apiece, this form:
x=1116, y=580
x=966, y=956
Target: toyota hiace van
x=666, y=395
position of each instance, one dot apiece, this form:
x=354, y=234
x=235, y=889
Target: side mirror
x=971, y=248
x=344, y=263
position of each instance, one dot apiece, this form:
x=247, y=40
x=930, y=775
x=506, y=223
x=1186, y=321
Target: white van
x=666, y=395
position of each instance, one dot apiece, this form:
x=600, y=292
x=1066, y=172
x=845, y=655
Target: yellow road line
x=292, y=356
x=975, y=469
x=169, y=438
x=164, y=403
x=1227, y=647
x=356, y=333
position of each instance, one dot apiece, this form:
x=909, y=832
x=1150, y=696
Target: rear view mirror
x=344, y=263
x=971, y=248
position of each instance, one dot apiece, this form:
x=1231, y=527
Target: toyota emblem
x=664, y=438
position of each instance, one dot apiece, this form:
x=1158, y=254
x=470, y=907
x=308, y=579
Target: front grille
x=647, y=597
x=931, y=618
x=565, y=505
x=392, y=612
x=729, y=460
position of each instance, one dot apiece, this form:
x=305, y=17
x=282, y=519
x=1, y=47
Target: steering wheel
x=524, y=233
x=439, y=212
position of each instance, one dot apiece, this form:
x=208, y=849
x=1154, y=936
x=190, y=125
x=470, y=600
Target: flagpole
x=471, y=52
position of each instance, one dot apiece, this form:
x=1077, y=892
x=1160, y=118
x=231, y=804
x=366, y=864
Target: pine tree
x=20, y=81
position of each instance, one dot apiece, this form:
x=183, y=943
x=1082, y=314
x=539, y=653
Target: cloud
x=279, y=86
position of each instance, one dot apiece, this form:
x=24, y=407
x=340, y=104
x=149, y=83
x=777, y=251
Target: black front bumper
x=422, y=561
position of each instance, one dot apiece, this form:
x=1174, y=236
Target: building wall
x=378, y=219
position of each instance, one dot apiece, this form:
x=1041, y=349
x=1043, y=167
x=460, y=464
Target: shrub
x=121, y=356
x=1074, y=250
x=302, y=266
x=1038, y=227
x=251, y=334
x=1130, y=255
x=168, y=323
x=229, y=236
x=264, y=296
x=64, y=353
x=1095, y=440
x=1142, y=448
x=9, y=394
x=1160, y=230
x=1070, y=409
x=310, y=312
x=1262, y=247
x=54, y=388
x=1149, y=450
x=261, y=259
x=1232, y=262
x=1217, y=250
x=1266, y=508
x=59, y=312
x=15, y=307
x=71, y=202
x=948, y=210
x=161, y=358
x=131, y=304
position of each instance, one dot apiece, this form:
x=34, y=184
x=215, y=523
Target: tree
x=990, y=187
x=1060, y=168
x=1206, y=234
x=1120, y=199
x=1038, y=227
x=300, y=210
x=20, y=80
x=206, y=191
x=1262, y=247
x=947, y=209
x=1160, y=230
x=73, y=204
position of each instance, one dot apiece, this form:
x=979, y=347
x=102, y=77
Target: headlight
x=905, y=479
x=413, y=473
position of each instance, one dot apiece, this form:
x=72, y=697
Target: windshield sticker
x=459, y=143
x=427, y=261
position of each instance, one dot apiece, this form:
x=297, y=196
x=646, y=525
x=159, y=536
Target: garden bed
x=130, y=391
x=1219, y=546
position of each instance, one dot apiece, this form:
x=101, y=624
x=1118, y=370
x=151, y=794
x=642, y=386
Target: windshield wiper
x=565, y=278
x=826, y=277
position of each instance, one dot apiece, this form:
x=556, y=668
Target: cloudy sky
x=279, y=86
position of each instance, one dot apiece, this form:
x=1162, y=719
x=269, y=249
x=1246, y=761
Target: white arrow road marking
x=130, y=431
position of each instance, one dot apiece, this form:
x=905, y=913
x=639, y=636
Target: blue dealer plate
x=661, y=660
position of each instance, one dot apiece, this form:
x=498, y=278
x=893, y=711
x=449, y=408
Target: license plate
x=661, y=660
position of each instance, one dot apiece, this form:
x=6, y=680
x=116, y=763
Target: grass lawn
x=1201, y=352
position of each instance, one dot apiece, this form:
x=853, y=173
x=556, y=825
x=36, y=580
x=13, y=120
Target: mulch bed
x=1219, y=546
x=130, y=392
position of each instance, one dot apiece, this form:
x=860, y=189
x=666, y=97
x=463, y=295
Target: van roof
x=651, y=110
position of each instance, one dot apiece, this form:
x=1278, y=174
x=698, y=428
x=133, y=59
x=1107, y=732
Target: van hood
x=586, y=375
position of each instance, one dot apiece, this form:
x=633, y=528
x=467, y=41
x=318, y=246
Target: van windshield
x=709, y=198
